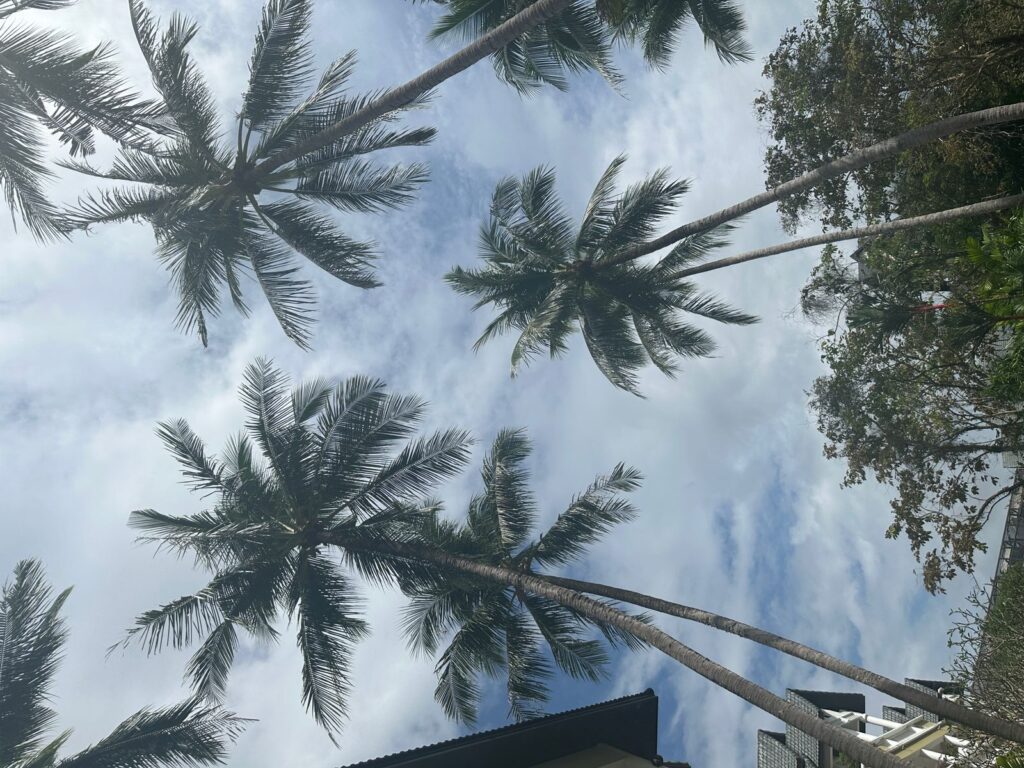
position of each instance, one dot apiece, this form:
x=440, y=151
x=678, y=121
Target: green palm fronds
x=32, y=637
x=50, y=84
x=549, y=278
x=316, y=461
x=580, y=38
x=217, y=217
x=497, y=631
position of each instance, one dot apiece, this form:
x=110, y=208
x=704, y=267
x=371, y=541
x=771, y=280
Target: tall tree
x=549, y=277
x=207, y=202
x=489, y=628
x=32, y=637
x=923, y=391
x=50, y=84
x=580, y=37
x=326, y=494
x=893, y=65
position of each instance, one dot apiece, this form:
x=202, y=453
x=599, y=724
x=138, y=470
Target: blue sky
x=740, y=512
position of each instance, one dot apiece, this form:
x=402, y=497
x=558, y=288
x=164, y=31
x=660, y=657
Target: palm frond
x=590, y=515
x=328, y=628
x=32, y=636
x=506, y=488
x=281, y=64
x=186, y=735
x=415, y=471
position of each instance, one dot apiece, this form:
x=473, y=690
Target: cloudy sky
x=740, y=513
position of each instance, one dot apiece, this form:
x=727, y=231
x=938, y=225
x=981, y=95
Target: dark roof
x=629, y=724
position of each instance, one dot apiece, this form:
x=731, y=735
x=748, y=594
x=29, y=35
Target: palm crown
x=216, y=212
x=32, y=636
x=547, y=278
x=47, y=83
x=498, y=630
x=330, y=492
x=333, y=461
x=581, y=37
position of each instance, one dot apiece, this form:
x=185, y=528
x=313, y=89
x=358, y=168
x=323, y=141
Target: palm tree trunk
x=851, y=162
x=943, y=707
x=828, y=733
x=885, y=228
x=397, y=98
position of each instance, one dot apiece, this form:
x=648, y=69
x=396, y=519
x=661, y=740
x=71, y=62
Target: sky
x=740, y=513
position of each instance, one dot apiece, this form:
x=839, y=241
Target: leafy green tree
x=580, y=37
x=910, y=398
x=327, y=493
x=548, y=277
x=49, y=84
x=893, y=65
x=32, y=636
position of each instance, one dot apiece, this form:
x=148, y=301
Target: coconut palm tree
x=32, y=636
x=50, y=84
x=580, y=37
x=212, y=219
x=327, y=494
x=546, y=279
x=474, y=614
x=499, y=630
x=300, y=146
x=331, y=459
x=549, y=277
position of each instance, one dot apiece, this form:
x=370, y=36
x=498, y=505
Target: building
x=622, y=733
x=918, y=737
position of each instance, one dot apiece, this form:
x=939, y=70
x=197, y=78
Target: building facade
x=920, y=738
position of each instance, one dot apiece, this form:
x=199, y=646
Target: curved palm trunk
x=413, y=89
x=851, y=162
x=885, y=228
x=823, y=731
x=943, y=707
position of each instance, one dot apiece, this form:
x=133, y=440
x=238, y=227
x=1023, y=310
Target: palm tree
x=334, y=458
x=213, y=221
x=549, y=277
x=48, y=83
x=580, y=38
x=499, y=630
x=326, y=494
x=546, y=280
x=475, y=614
x=208, y=203
x=32, y=636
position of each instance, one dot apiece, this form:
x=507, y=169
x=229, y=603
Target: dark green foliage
x=32, y=636
x=894, y=65
x=328, y=481
x=500, y=631
x=924, y=382
x=216, y=215
x=48, y=83
x=986, y=638
x=548, y=278
x=316, y=462
x=580, y=38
